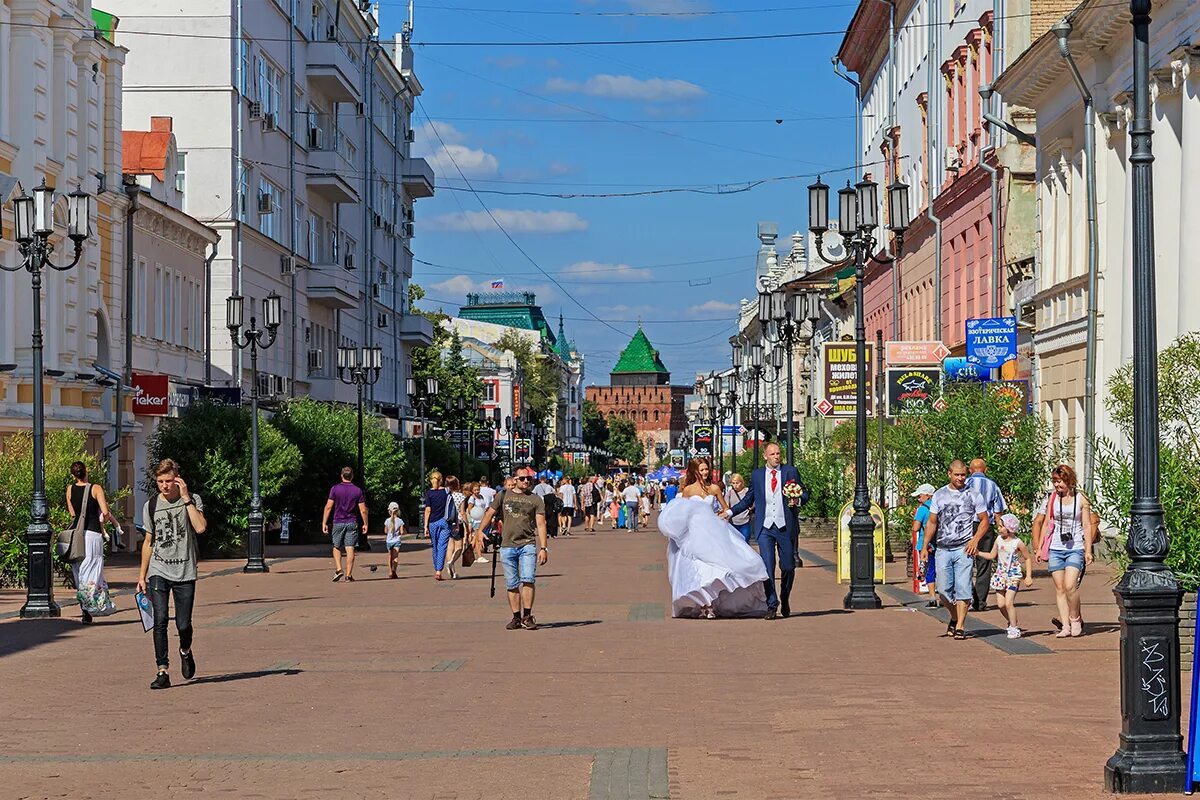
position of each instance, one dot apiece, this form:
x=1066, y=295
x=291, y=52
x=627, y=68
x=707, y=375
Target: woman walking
x=456, y=515
x=1063, y=532
x=733, y=495
x=476, y=508
x=90, y=587
x=437, y=504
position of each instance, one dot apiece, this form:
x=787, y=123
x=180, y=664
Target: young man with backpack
x=173, y=519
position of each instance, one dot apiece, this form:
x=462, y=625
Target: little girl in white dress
x=1006, y=580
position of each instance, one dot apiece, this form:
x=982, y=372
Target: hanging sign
x=912, y=390
x=483, y=445
x=522, y=450
x=991, y=341
x=900, y=353
x=959, y=369
x=841, y=379
x=150, y=395
x=702, y=440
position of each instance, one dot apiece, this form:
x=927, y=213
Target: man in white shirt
x=486, y=492
x=543, y=488
x=632, y=495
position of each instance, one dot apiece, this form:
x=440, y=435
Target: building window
x=142, y=305
x=268, y=86
x=243, y=192
x=181, y=178
x=244, y=67
x=489, y=392
x=298, y=242
x=160, y=298
x=176, y=311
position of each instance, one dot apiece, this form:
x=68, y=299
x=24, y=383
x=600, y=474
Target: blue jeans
x=631, y=514
x=954, y=570
x=1061, y=559
x=520, y=565
x=439, y=538
x=744, y=529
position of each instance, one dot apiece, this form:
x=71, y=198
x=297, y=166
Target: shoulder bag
x=1048, y=528
x=71, y=543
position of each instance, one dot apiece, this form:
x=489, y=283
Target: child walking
x=1007, y=578
x=393, y=529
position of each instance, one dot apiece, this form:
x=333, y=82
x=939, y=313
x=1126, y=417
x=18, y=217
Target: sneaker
x=529, y=623
x=187, y=665
x=513, y=624
x=1014, y=632
x=337, y=576
x=161, y=681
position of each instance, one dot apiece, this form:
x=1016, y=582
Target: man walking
x=173, y=518
x=775, y=525
x=543, y=488
x=954, y=512
x=993, y=500
x=589, y=497
x=632, y=496
x=347, y=502
x=522, y=545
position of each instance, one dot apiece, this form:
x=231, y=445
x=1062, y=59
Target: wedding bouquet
x=793, y=492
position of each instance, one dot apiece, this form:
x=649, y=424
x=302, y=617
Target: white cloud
x=459, y=284
x=506, y=62
x=626, y=87
x=443, y=154
x=713, y=307
x=514, y=220
x=594, y=270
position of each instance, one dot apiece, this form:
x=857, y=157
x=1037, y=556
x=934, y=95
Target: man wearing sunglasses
x=522, y=544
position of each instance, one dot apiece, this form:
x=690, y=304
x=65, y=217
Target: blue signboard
x=957, y=368
x=991, y=341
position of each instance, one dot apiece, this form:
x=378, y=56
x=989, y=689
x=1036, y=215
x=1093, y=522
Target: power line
x=658, y=121
x=661, y=14
x=643, y=321
x=604, y=269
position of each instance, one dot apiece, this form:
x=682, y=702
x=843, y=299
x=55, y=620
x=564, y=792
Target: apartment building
x=292, y=121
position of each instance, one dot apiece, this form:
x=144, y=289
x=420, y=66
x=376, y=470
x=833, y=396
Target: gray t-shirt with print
x=957, y=512
x=173, y=555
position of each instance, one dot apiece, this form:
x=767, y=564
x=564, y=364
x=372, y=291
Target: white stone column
x=1188, y=289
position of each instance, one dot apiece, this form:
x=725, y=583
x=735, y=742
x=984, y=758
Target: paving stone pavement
x=413, y=689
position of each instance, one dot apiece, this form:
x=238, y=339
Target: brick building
x=640, y=389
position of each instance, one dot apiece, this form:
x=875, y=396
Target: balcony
x=415, y=329
x=418, y=178
x=333, y=286
x=331, y=71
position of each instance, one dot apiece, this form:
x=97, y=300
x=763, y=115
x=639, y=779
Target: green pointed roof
x=562, y=346
x=639, y=356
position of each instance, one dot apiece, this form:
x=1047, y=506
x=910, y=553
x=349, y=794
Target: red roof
x=145, y=152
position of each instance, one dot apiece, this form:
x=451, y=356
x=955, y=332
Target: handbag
x=1048, y=528
x=468, y=553
x=71, y=543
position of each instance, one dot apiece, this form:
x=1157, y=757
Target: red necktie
x=774, y=480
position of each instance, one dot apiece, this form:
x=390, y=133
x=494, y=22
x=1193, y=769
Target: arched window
x=645, y=416
x=656, y=415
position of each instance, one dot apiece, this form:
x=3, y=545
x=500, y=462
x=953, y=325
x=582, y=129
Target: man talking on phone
x=173, y=519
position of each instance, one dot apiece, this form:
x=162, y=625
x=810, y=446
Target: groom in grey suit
x=775, y=525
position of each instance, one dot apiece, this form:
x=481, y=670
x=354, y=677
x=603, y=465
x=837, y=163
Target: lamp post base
x=862, y=563
x=39, y=598
x=1150, y=757
x=256, y=545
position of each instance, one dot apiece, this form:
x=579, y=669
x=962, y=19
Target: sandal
x=1076, y=626
x=960, y=634
x=950, y=629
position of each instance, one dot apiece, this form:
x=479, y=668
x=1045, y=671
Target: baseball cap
x=924, y=488
x=1010, y=522
x=393, y=506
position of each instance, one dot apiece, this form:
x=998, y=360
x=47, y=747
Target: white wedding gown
x=709, y=563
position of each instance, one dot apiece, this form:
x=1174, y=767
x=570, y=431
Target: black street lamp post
x=858, y=218
x=253, y=338
x=360, y=367
x=421, y=401
x=755, y=371
x=781, y=317
x=34, y=217
x=711, y=399
x=1150, y=755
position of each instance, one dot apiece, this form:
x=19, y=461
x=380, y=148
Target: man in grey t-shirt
x=958, y=519
x=173, y=519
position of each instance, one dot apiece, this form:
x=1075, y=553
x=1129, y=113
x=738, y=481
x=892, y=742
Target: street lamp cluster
x=33, y=218
x=360, y=367
x=858, y=217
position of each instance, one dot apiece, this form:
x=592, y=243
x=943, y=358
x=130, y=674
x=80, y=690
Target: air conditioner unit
x=286, y=266
x=316, y=360
x=266, y=203
x=378, y=221
x=410, y=135
x=331, y=33
x=256, y=109
x=316, y=139
x=385, y=278
x=953, y=159
x=375, y=291
x=407, y=230
x=348, y=262
x=407, y=211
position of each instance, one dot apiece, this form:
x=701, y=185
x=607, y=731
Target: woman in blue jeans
x=437, y=529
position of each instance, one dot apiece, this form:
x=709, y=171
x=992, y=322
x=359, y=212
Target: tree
x=1179, y=449
x=595, y=426
x=327, y=437
x=211, y=443
x=444, y=360
x=541, y=379
x=623, y=441
x=16, y=489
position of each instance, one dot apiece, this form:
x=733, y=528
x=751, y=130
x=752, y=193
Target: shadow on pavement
x=30, y=633
x=242, y=676
x=576, y=624
x=822, y=613
x=266, y=600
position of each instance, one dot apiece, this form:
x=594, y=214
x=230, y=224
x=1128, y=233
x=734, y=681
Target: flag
x=498, y=283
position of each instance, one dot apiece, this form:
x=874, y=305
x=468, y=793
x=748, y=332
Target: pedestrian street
x=413, y=688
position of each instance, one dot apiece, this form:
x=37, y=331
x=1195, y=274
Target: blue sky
x=541, y=119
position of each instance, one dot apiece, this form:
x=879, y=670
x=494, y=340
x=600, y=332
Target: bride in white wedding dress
x=713, y=572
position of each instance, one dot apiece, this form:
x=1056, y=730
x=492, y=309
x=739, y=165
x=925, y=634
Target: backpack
x=451, y=509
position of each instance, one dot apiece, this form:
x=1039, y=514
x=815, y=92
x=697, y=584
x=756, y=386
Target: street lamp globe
x=79, y=215
x=764, y=306
x=756, y=355
x=272, y=314
x=431, y=386
x=868, y=204
x=43, y=209
x=736, y=351
x=818, y=207
x=23, y=218
x=234, y=312
x=347, y=358
x=847, y=209
x=898, y=207
x=410, y=386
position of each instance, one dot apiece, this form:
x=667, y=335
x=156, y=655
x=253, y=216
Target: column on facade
x=975, y=63
x=1168, y=163
x=1189, y=193
x=923, y=105
x=950, y=133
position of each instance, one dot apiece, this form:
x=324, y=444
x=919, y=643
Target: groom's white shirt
x=773, y=514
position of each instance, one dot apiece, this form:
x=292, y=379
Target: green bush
x=1179, y=449
x=327, y=438
x=16, y=491
x=211, y=443
x=822, y=470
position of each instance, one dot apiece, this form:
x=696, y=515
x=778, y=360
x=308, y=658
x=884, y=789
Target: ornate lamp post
x=1150, y=756
x=421, y=401
x=754, y=372
x=735, y=358
x=781, y=316
x=254, y=339
x=461, y=403
x=34, y=217
x=360, y=367
x=858, y=217
x=713, y=405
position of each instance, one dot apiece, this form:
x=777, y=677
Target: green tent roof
x=639, y=356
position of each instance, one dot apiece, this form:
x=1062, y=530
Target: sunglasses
x=524, y=478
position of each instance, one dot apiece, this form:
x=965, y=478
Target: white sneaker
x=1014, y=632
